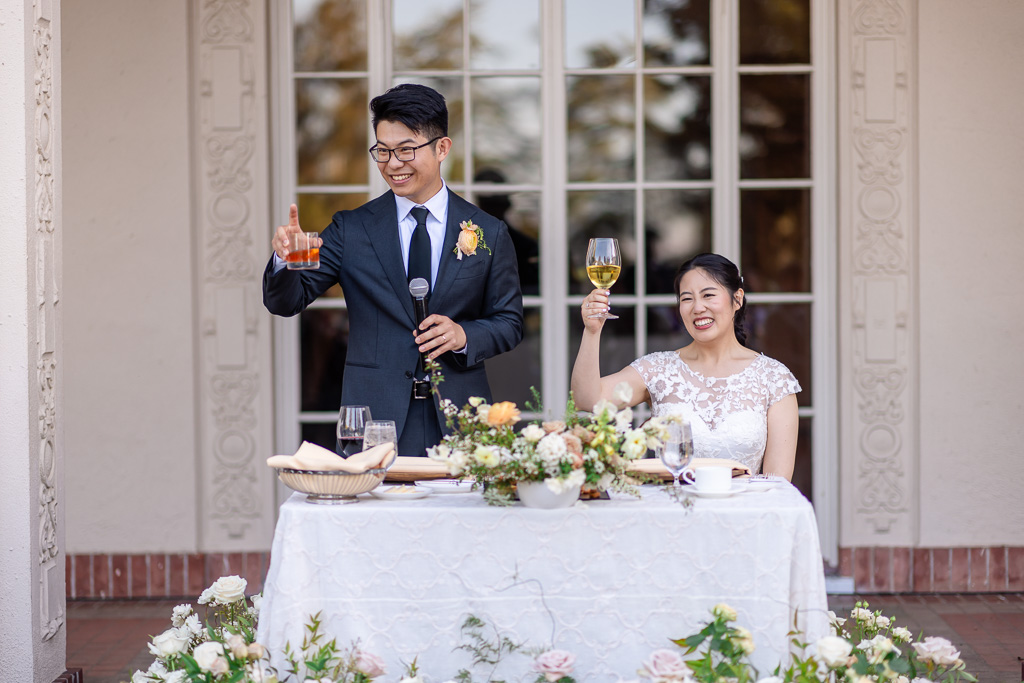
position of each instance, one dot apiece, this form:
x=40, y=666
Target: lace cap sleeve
x=779, y=381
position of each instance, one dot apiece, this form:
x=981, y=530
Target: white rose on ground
x=257, y=602
x=861, y=615
x=179, y=676
x=770, y=679
x=833, y=651
x=724, y=612
x=206, y=654
x=882, y=621
x=836, y=622
x=902, y=634
x=533, y=433
x=219, y=666
x=937, y=650
x=412, y=679
x=168, y=643
x=664, y=666
x=370, y=665
x=228, y=589
x=555, y=664
x=743, y=640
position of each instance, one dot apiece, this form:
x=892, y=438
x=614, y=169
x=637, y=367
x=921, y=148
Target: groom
x=475, y=303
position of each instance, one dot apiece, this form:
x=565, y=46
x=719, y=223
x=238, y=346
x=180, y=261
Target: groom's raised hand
x=282, y=236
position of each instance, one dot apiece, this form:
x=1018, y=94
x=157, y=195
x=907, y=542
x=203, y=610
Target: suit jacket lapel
x=384, y=235
x=448, y=269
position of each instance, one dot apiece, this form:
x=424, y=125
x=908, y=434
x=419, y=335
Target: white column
x=878, y=311
x=233, y=229
x=32, y=605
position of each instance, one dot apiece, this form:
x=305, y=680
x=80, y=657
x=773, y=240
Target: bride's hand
x=596, y=302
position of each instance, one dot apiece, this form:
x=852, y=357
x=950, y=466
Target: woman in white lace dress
x=740, y=404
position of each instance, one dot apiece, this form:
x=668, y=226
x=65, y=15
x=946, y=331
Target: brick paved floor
x=108, y=639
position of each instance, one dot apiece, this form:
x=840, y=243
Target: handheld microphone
x=419, y=288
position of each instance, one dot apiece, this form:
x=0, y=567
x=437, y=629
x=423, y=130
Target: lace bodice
x=728, y=415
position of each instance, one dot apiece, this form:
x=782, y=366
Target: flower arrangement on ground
x=593, y=450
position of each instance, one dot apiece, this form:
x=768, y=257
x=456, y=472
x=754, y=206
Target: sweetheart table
x=608, y=580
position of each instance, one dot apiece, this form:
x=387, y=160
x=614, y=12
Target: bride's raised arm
x=588, y=387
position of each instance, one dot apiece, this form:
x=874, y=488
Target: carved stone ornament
x=880, y=242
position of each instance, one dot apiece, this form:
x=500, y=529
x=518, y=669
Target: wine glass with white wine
x=603, y=265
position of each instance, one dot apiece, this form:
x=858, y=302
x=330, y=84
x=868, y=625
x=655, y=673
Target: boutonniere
x=471, y=237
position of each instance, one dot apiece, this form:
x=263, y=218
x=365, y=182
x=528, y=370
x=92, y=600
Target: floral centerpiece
x=590, y=450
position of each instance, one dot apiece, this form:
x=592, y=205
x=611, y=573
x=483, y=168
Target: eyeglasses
x=382, y=155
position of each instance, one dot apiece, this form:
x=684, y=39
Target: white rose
x=724, y=612
x=140, y=677
x=665, y=665
x=635, y=444
x=743, y=640
x=206, y=596
x=206, y=654
x=179, y=676
x=157, y=668
x=194, y=626
x=219, y=666
x=412, y=679
x=604, y=407
x=170, y=642
x=882, y=621
x=180, y=613
x=555, y=664
x=623, y=393
x=257, y=602
x=863, y=616
x=606, y=481
x=239, y=648
x=556, y=485
x=533, y=433
x=833, y=651
x=486, y=456
x=228, y=589
x=902, y=634
x=624, y=420
x=770, y=679
x=937, y=650
x=475, y=401
x=836, y=622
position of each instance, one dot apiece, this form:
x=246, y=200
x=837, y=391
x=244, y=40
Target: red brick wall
x=114, y=577
x=934, y=570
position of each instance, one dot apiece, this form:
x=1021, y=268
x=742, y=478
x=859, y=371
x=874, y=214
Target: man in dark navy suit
x=475, y=302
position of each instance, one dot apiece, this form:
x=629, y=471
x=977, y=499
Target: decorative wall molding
x=230, y=142
x=44, y=283
x=878, y=298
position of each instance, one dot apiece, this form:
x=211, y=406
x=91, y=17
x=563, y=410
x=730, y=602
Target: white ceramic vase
x=536, y=494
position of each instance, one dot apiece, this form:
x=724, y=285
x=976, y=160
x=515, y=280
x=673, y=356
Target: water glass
x=378, y=432
x=676, y=451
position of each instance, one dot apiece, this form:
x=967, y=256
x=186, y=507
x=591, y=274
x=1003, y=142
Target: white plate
x=737, y=487
x=404, y=492
x=762, y=484
x=448, y=485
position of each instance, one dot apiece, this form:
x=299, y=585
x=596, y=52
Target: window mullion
x=724, y=129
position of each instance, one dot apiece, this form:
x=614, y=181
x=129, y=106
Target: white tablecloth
x=609, y=581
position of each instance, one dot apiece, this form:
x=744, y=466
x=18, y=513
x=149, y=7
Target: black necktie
x=419, y=246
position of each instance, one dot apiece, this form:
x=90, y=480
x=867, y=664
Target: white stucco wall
x=130, y=430
x=971, y=272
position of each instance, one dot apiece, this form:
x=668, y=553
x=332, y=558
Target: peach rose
x=467, y=242
x=553, y=426
x=584, y=434
x=503, y=413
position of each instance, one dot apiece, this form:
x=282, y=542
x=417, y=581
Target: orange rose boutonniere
x=471, y=237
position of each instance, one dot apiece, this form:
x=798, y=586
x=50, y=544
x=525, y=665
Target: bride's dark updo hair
x=724, y=272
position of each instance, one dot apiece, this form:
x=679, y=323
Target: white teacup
x=709, y=479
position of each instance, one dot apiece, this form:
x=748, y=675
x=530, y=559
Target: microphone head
x=419, y=288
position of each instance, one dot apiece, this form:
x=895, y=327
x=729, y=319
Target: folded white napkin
x=318, y=459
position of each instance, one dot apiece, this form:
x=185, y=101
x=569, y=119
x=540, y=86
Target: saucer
x=448, y=485
x=733, y=490
x=403, y=492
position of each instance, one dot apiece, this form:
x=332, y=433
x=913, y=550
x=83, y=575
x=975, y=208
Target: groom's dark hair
x=417, y=107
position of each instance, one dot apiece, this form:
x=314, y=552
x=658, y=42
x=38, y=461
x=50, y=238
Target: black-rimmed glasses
x=382, y=155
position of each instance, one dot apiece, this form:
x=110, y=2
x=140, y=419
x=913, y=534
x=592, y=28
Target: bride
x=740, y=404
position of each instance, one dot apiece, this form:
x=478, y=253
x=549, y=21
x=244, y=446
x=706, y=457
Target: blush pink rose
x=664, y=666
x=370, y=665
x=555, y=664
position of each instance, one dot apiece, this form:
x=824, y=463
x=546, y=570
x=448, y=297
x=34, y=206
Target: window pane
x=677, y=227
x=601, y=144
x=512, y=374
x=454, y=167
x=428, y=35
x=677, y=127
x=330, y=135
x=665, y=329
x=601, y=214
x=521, y=213
x=506, y=127
x=773, y=32
x=316, y=212
x=783, y=332
x=329, y=35
x=775, y=240
x=676, y=32
x=321, y=433
x=618, y=341
x=323, y=338
x=504, y=35
x=775, y=126
x=599, y=33
x=803, y=471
